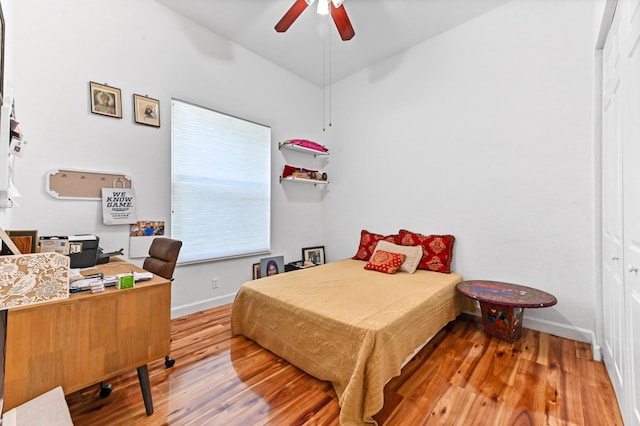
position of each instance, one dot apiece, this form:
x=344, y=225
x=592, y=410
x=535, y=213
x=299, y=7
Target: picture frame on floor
x=271, y=266
x=314, y=255
x=256, y=271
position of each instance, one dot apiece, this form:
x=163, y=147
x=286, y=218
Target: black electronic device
x=83, y=250
x=104, y=257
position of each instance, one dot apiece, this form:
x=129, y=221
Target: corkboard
x=83, y=185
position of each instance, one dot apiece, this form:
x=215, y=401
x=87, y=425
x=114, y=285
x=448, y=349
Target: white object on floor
x=48, y=409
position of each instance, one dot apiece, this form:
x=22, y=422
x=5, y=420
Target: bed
x=341, y=323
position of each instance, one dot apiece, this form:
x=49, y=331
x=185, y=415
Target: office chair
x=163, y=255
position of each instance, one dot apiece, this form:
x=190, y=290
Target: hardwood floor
x=460, y=378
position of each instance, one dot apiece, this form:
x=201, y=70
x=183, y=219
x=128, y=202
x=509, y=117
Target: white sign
x=118, y=206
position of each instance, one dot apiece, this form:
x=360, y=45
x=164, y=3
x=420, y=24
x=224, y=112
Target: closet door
x=631, y=179
x=612, y=225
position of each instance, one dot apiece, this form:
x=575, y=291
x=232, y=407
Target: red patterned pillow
x=384, y=261
x=437, y=250
x=368, y=242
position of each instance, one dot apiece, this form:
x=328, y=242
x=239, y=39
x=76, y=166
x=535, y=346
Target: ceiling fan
x=338, y=13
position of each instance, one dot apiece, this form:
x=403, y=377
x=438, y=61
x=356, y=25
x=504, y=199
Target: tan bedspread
x=341, y=323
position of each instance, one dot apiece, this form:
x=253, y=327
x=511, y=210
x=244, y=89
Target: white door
x=631, y=194
x=612, y=225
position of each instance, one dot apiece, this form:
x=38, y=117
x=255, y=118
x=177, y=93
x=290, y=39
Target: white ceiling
x=383, y=28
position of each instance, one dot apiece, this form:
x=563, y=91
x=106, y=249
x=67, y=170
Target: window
x=220, y=184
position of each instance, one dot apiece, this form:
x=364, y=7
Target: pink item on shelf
x=307, y=144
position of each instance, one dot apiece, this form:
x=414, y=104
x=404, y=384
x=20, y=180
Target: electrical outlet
x=215, y=283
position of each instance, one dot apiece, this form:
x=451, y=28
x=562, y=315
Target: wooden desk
x=502, y=305
x=88, y=338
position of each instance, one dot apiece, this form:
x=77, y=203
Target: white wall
x=484, y=132
x=56, y=48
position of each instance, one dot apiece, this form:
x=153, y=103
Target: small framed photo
x=271, y=266
x=314, y=255
x=256, y=271
x=75, y=247
x=25, y=241
x=147, y=110
x=147, y=228
x=105, y=100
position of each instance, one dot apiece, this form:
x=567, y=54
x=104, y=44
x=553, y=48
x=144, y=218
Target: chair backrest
x=163, y=255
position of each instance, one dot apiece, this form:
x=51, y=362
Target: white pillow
x=413, y=254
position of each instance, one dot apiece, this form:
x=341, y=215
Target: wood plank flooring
x=460, y=378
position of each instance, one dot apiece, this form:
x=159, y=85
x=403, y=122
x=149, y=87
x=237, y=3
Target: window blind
x=220, y=184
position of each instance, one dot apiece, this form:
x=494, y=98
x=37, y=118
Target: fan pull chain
x=324, y=78
x=326, y=66
x=329, y=75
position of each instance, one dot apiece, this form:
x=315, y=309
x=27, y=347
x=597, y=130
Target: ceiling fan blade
x=339, y=15
x=292, y=14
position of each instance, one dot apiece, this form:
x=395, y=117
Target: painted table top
x=506, y=294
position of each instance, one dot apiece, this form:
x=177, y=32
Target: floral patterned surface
x=27, y=279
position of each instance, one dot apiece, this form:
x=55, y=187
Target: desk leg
x=145, y=386
x=503, y=322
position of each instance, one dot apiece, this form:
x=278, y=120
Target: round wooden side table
x=502, y=305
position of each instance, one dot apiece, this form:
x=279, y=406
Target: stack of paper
x=84, y=284
x=142, y=276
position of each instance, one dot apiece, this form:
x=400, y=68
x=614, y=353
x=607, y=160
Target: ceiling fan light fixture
x=323, y=7
x=338, y=15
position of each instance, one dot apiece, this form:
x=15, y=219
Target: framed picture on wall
x=147, y=110
x=314, y=255
x=105, y=100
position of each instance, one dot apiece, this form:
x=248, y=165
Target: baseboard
x=567, y=331
x=202, y=305
x=562, y=330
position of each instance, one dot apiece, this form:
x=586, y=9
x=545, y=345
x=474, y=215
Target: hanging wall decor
x=118, y=205
x=147, y=110
x=105, y=100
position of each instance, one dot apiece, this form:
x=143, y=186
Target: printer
x=83, y=250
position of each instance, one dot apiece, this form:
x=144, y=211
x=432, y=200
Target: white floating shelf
x=303, y=180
